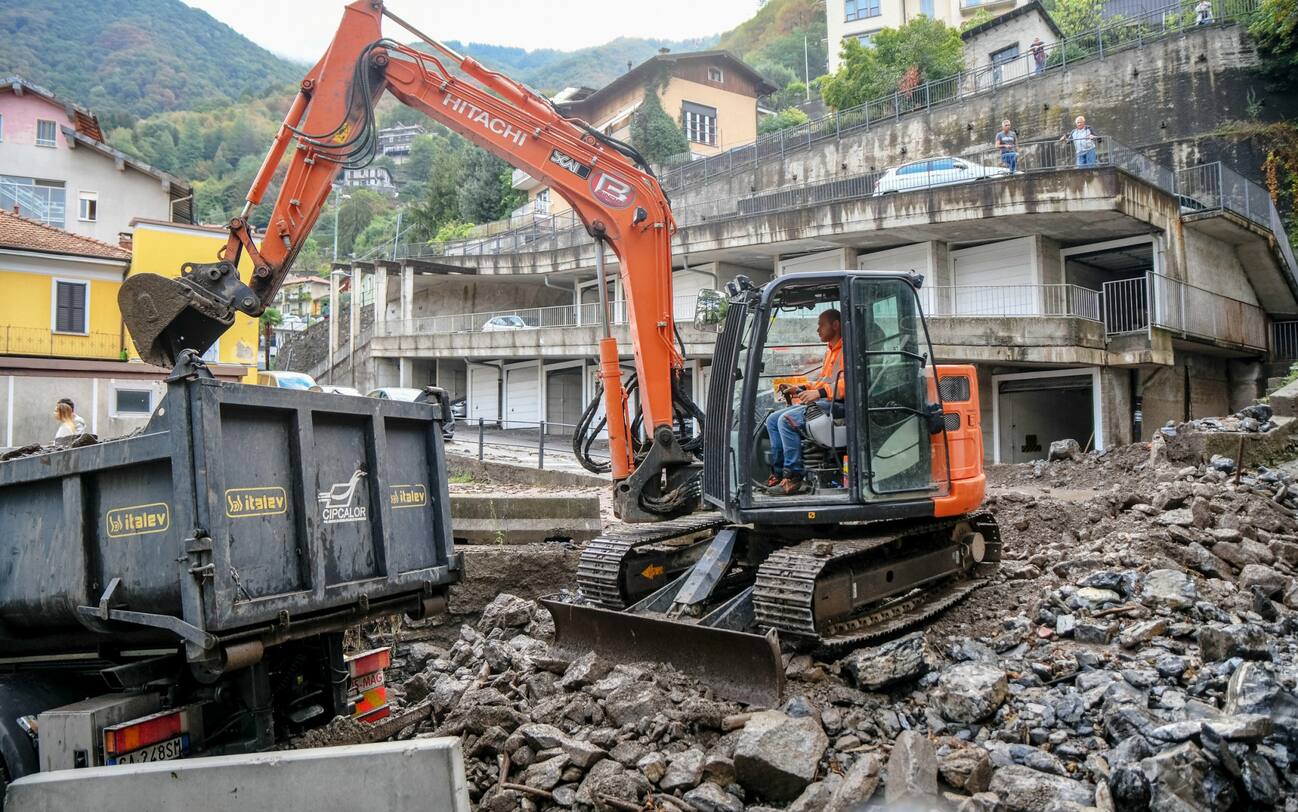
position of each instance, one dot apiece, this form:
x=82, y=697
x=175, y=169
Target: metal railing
x=48, y=204
x=1011, y=301
x=38, y=341
x=1114, y=35
x=1284, y=340
x=1196, y=312
x=531, y=318
x=1126, y=306
x=486, y=432
x=1213, y=187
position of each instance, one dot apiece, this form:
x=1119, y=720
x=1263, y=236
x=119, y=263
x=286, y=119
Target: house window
x=45, y=131
x=132, y=402
x=867, y=39
x=700, y=123
x=926, y=8
x=70, y=307
x=715, y=75
x=861, y=9
x=88, y=210
x=213, y=353
x=35, y=199
x=1005, y=54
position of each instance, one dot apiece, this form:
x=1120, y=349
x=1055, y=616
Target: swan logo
x=337, y=505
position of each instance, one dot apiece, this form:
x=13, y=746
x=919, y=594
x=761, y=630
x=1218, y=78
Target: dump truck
x=186, y=590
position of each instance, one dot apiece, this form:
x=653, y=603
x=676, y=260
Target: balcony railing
x=38, y=341
x=1284, y=340
x=1135, y=305
x=1002, y=301
x=532, y=318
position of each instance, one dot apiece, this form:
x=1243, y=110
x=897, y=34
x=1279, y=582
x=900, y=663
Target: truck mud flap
x=736, y=665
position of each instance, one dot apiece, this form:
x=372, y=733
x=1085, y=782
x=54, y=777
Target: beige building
x=1005, y=42
x=862, y=19
x=712, y=95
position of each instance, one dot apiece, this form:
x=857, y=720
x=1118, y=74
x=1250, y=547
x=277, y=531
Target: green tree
x=979, y=17
x=1078, y=16
x=270, y=319
x=1275, y=29
x=453, y=230
x=355, y=214
x=654, y=133
x=481, y=196
x=440, y=200
x=921, y=49
x=783, y=120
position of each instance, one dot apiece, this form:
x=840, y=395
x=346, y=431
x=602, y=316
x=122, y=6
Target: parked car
x=286, y=380
x=460, y=408
x=942, y=171
x=336, y=390
x=411, y=394
x=498, y=323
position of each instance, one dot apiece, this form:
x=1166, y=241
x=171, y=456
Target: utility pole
x=806, y=70
x=396, y=238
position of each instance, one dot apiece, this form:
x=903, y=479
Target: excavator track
x=600, y=572
x=784, y=594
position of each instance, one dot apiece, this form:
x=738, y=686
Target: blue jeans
x=1011, y=160
x=784, y=427
x=1086, y=158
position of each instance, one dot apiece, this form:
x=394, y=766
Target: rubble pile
x=1137, y=650
x=1251, y=420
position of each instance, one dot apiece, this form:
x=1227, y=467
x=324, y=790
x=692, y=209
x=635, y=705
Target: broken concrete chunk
x=912, y=770
x=970, y=692
x=776, y=756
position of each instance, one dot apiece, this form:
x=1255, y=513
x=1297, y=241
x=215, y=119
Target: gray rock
x=609, y=778
x=1142, y=632
x=565, y=796
x=1245, y=640
x=506, y=612
x=872, y=669
x=585, y=670
x=858, y=785
x=980, y=802
x=912, y=769
x=1064, y=450
x=776, y=756
x=1022, y=789
x=1180, y=517
x=712, y=798
x=545, y=774
x=1254, y=689
x=1271, y=582
x=719, y=769
x=1261, y=784
x=684, y=771
x=817, y=796
x=653, y=766
x=1093, y=631
x=1246, y=727
x=1170, y=588
x=967, y=768
x=628, y=753
x=1095, y=597
x=1182, y=778
x=970, y=692
x=1065, y=624
x=633, y=702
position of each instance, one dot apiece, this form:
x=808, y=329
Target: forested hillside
x=126, y=59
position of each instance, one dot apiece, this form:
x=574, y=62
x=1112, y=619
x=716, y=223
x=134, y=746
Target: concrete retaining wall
x=409, y=776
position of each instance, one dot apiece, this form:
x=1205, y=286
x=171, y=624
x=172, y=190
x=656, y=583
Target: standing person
x=1007, y=141
x=1038, y=51
x=1203, y=13
x=70, y=423
x=1084, y=142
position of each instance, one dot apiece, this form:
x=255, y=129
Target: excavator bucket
x=737, y=665
x=165, y=316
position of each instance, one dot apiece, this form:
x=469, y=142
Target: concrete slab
x=1284, y=401
x=508, y=518
x=1262, y=448
x=419, y=774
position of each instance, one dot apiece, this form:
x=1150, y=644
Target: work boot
x=791, y=485
x=773, y=480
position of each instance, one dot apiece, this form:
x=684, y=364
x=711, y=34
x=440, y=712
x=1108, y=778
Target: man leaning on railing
x=1084, y=142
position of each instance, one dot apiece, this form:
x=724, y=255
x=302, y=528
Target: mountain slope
x=550, y=71
x=134, y=57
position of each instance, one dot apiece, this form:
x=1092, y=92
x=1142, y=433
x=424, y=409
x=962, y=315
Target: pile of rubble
x=1250, y=420
x=1139, y=650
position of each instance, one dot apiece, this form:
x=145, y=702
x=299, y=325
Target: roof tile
x=29, y=235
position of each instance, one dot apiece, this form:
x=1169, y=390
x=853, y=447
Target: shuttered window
x=700, y=123
x=70, y=307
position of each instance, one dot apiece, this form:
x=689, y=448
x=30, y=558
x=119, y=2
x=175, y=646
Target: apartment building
x=56, y=168
x=711, y=94
x=302, y=297
x=394, y=142
x=378, y=178
x=862, y=19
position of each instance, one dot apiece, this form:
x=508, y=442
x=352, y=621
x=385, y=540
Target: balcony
x=1184, y=310
x=522, y=181
x=40, y=342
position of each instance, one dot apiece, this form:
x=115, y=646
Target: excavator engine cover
x=165, y=316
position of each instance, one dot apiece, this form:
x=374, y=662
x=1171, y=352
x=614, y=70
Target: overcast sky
x=300, y=29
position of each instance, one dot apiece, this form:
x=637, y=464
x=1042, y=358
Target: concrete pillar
x=938, y=276
x=1050, y=268
x=1116, y=405
x=407, y=296
x=1244, y=377
x=354, y=326
x=849, y=258
x=333, y=322
x=380, y=300
x=405, y=371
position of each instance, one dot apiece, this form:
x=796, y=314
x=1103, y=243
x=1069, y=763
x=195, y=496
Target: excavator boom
x=330, y=127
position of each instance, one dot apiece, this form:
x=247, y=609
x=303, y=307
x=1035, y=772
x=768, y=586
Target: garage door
x=484, y=394
x=822, y=261
x=998, y=277
x=522, y=397
x=1034, y=412
x=563, y=405
x=906, y=258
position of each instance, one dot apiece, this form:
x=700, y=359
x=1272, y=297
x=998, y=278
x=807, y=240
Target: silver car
x=942, y=171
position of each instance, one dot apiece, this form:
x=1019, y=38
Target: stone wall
x=305, y=351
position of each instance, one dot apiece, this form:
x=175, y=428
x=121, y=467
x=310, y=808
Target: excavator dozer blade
x=736, y=665
x=165, y=316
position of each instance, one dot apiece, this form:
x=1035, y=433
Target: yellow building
x=712, y=95
x=162, y=248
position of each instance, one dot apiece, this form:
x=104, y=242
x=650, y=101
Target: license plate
x=162, y=751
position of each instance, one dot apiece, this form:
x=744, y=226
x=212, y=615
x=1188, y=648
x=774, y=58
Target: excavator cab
x=880, y=449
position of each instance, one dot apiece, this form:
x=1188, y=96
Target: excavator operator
x=784, y=426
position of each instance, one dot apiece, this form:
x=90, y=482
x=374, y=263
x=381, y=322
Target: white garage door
x=822, y=261
x=906, y=258
x=484, y=396
x=685, y=292
x=522, y=397
x=995, y=280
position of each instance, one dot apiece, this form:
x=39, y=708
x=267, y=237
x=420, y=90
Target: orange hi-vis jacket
x=831, y=378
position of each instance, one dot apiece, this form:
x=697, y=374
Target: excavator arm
x=330, y=126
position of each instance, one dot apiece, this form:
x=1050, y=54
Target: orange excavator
x=884, y=531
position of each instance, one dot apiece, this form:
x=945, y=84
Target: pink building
x=56, y=168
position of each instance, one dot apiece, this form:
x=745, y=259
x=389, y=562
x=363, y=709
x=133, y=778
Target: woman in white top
x=69, y=422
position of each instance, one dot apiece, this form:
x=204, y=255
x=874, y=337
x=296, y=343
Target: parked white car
x=941, y=171
x=395, y=393
x=498, y=323
x=336, y=390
